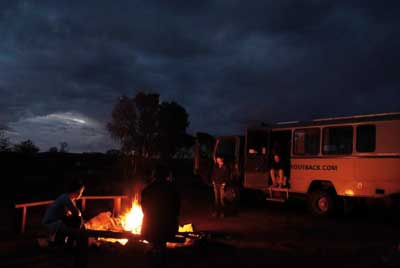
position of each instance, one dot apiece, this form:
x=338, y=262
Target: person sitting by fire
x=161, y=206
x=277, y=173
x=64, y=222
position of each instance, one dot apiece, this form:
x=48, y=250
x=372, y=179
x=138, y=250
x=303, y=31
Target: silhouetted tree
x=5, y=145
x=133, y=123
x=123, y=125
x=147, y=107
x=63, y=147
x=148, y=127
x=187, y=150
x=113, y=152
x=172, y=124
x=26, y=147
x=53, y=150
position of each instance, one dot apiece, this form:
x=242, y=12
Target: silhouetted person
x=160, y=204
x=64, y=222
x=220, y=176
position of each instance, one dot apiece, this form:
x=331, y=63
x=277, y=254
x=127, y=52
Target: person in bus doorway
x=63, y=219
x=277, y=173
x=161, y=206
x=220, y=176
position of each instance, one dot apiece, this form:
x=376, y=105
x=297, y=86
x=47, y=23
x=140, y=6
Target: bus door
x=256, y=166
x=203, y=156
x=280, y=143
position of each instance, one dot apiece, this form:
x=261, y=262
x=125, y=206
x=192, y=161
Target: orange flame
x=132, y=220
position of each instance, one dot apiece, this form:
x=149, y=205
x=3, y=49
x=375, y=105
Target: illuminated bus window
x=306, y=141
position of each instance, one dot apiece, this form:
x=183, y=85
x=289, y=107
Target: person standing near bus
x=221, y=174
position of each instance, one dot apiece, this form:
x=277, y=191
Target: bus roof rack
x=355, y=116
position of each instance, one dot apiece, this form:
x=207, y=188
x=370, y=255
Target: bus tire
x=321, y=203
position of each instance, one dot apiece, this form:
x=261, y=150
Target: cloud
x=228, y=63
x=81, y=133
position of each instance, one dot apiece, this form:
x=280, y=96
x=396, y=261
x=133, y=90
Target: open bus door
x=203, y=156
x=256, y=174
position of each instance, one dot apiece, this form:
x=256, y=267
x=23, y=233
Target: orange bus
x=326, y=160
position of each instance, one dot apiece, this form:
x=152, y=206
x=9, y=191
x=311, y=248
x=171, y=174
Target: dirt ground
x=261, y=235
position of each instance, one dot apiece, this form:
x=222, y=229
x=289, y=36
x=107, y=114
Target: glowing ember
x=132, y=221
x=114, y=240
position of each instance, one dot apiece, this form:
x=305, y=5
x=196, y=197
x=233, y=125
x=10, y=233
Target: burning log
x=104, y=221
x=180, y=237
x=113, y=234
x=128, y=235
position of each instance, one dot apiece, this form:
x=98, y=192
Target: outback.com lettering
x=315, y=167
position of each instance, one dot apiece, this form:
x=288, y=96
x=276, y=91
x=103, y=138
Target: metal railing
x=116, y=210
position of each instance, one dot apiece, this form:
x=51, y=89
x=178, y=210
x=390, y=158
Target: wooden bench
x=116, y=210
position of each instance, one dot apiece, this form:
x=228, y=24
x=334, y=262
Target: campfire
x=131, y=221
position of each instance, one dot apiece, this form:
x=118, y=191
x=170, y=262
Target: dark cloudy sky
x=63, y=63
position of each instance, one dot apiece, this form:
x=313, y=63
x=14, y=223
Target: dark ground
x=261, y=235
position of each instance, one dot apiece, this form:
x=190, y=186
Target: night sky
x=63, y=64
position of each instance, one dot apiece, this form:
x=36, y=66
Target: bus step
x=277, y=189
x=274, y=199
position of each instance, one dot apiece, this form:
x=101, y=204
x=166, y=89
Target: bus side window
x=366, y=138
x=306, y=141
x=338, y=140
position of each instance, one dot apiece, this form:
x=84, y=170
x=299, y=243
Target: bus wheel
x=321, y=203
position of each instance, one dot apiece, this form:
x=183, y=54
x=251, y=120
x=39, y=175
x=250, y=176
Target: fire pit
x=105, y=228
